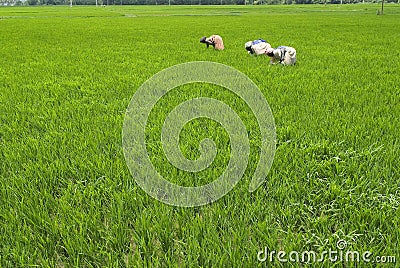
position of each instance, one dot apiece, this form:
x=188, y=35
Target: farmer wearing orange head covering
x=213, y=40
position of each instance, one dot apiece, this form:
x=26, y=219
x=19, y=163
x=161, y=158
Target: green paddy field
x=67, y=198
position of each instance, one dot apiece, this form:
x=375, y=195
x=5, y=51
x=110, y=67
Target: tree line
x=184, y=2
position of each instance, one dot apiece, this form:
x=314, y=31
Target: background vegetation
x=185, y=2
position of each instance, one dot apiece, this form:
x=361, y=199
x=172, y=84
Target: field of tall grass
x=67, y=75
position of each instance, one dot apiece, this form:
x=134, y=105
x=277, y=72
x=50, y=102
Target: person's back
x=257, y=47
x=214, y=40
x=283, y=54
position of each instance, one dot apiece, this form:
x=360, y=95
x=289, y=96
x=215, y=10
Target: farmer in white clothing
x=257, y=47
x=283, y=55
